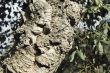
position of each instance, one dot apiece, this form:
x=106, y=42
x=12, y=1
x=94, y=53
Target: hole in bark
x=65, y=6
x=62, y=0
x=38, y=51
x=72, y=21
x=46, y=30
x=59, y=7
x=40, y=65
x=17, y=37
x=55, y=42
x=30, y=41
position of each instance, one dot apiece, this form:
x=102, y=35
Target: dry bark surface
x=45, y=37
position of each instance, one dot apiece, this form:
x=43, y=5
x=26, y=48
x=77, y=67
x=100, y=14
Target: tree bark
x=45, y=38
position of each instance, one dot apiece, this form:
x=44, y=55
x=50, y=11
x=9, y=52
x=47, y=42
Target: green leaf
x=106, y=6
x=72, y=56
x=101, y=70
x=98, y=2
x=93, y=9
x=105, y=42
x=100, y=48
x=81, y=55
x=83, y=45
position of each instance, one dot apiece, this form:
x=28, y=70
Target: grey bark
x=45, y=38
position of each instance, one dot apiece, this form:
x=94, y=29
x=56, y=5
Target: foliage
x=91, y=46
x=90, y=50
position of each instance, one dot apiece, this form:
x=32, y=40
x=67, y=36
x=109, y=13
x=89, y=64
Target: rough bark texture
x=45, y=38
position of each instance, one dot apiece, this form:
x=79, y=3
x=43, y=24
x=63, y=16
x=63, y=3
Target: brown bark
x=45, y=38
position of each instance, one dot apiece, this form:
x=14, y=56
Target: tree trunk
x=45, y=37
